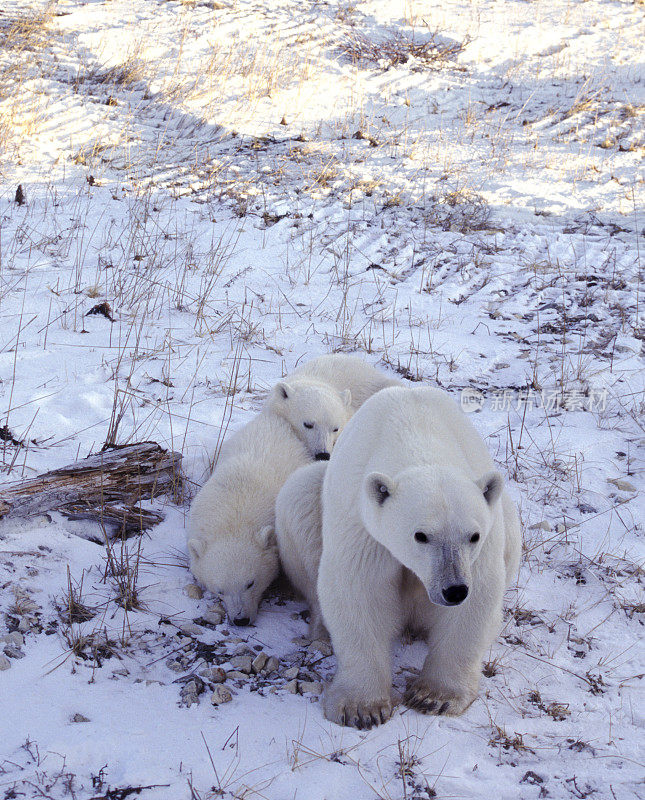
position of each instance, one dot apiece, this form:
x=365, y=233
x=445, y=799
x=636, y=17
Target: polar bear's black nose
x=324, y=456
x=456, y=594
x=241, y=621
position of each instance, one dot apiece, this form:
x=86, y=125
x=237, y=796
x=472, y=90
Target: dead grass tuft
x=398, y=48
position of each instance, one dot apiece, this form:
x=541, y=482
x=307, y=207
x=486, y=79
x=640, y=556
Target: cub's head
x=238, y=572
x=434, y=521
x=315, y=411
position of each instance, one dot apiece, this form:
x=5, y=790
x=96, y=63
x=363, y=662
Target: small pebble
x=242, y=663
x=14, y=638
x=621, y=485
x=272, y=664
x=190, y=629
x=24, y=625
x=13, y=652
x=292, y=687
x=4, y=663
x=79, y=718
x=216, y=608
x=310, y=687
x=221, y=695
x=236, y=675
x=540, y=526
x=259, y=662
x=292, y=672
x=213, y=617
x=214, y=674
x=320, y=646
x=193, y=591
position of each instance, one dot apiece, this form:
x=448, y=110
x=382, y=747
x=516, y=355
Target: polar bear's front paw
x=343, y=709
x=430, y=700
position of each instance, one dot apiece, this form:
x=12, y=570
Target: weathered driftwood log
x=106, y=487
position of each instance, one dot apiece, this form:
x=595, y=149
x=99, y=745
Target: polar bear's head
x=239, y=572
x=315, y=411
x=434, y=520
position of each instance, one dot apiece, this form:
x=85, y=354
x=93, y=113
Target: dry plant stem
x=105, y=487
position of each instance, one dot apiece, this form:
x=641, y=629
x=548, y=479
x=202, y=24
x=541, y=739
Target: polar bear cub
x=231, y=541
x=417, y=531
x=298, y=522
x=343, y=381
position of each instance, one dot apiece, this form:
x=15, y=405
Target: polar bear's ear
x=266, y=537
x=491, y=485
x=378, y=487
x=196, y=547
x=282, y=390
x=346, y=397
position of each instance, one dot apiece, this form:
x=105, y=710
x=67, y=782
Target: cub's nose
x=323, y=456
x=241, y=621
x=456, y=594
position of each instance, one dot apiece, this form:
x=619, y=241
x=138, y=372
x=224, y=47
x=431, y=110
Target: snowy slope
x=454, y=190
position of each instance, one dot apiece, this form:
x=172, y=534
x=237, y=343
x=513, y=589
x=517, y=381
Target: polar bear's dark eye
x=335, y=430
x=474, y=538
x=420, y=536
x=308, y=424
x=248, y=585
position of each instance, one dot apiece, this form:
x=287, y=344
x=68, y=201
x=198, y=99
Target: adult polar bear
x=417, y=530
x=231, y=541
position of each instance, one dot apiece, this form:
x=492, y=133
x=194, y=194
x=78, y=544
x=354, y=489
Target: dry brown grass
x=398, y=48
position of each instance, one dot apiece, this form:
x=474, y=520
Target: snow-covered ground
x=453, y=189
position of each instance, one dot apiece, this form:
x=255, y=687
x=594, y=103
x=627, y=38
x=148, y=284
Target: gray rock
x=214, y=674
x=236, y=675
x=221, y=695
x=292, y=686
x=272, y=664
x=24, y=625
x=292, y=672
x=540, y=526
x=242, y=663
x=14, y=638
x=310, y=687
x=190, y=629
x=193, y=591
x=622, y=485
x=213, y=617
x=79, y=718
x=4, y=663
x=259, y=662
x=320, y=646
x=13, y=652
x=216, y=608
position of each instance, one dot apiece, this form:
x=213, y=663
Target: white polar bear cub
x=298, y=521
x=417, y=530
x=231, y=541
x=344, y=381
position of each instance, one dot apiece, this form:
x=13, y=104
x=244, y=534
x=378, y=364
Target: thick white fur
x=318, y=397
x=346, y=372
x=231, y=539
x=298, y=520
x=410, y=461
x=230, y=530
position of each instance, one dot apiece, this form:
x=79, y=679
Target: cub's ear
x=491, y=485
x=378, y=487
x=196, y=547
x=346, y=397
x=266, y=537
x=282, y=390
